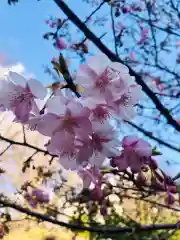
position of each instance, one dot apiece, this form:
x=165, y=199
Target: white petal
x=17, y=79
x=98, y=63
x=54, y=105
x=37, y=89
x=119, y=67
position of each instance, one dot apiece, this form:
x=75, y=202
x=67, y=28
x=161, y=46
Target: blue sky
x=22, y=27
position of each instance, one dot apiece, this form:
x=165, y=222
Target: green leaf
x=155, y=152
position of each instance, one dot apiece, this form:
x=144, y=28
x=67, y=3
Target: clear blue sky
x=22, y=27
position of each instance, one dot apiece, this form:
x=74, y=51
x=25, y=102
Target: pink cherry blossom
x=124, y=102
x=105, y=139
x=60, y=44
x=19, y=94
x=97, y=74
x=63, y=115
x=137, y=145
x=100, y=110
x=136, y=152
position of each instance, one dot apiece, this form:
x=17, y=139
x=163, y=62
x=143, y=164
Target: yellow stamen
x=79, y=88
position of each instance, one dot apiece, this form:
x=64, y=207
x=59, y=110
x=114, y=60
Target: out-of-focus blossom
x=18, y=95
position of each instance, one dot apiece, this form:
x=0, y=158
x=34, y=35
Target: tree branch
x=101, y=229
x=90, y=35
x=11, y=142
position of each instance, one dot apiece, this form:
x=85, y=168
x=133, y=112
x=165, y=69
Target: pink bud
x=103, y=210
x=172, y=188
x=60, y=44
x=125, y=10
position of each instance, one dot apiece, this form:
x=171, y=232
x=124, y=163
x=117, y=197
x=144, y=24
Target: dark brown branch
x=90, y=35
x=11, y=142
x=101, y=229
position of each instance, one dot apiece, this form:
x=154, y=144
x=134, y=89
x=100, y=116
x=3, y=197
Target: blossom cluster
x=79, y=129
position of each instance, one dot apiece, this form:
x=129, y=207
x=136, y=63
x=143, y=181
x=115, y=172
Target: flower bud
x=117, y=12
x=172, y=188
x=125, y=10
x=103, y=210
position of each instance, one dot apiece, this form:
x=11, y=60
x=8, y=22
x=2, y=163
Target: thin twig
x=114, y=33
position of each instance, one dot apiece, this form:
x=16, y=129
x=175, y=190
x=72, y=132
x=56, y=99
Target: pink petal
x=62, y=143
x=68, y=163
x=129, y=140
x=143, y=148
x=56, y=106
x=48, y=124
x=98, y=63
x=37, y=89
x=22, y=110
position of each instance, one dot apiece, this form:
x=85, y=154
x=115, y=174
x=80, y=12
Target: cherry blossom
x=124, y=102
x=105, y=139
x=97, y=74
x=136, y=152
x=65, y=115
x=19, y=94
x=79, y=129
